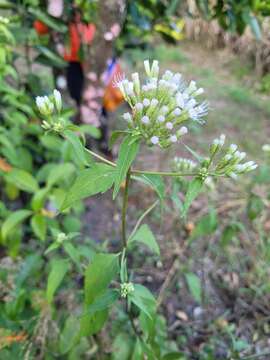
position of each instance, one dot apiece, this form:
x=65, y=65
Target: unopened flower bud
x=57, y=100
x=136, y=82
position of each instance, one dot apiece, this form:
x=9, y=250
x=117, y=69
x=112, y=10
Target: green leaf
x=154, y=181
x=229, y=232
x=52, y=247
x=59, y=173
x=50, y=21
x=194, y=285
x=194, y=188
x=98, y=275
x=56, y=276
x=90, y=130
x=206, y=225
x=13, y=220
x=49, y=58
x=92, y=181
x=115, y=135
x=255, y=206
x=104, y=301
x=69, y=335
x=38, y=200
x=127, y=153
x=22, y=180
x=143, y=299
x=145, y=236
x=39, y=226
x=77, y=146
x=73, y=253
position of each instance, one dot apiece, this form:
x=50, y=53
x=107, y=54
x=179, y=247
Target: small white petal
x=154, y=140
x=177, y=112
x=182, y=131
x=145, y=120
x=146, y=102
x=139, y=106
x=161, y=118
x=173, y=138
x=169, y=125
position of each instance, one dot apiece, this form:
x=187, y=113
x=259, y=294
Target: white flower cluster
x=231, y=163
x=161, y=105
x=182, y=164
x=126, y=289
x=46, y=104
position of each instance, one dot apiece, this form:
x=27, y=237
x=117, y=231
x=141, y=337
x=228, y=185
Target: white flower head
x=154, y=140
x=182, y=131
x=145, y=120
x=127, y=117
x=169, y=125
x=164, y=101
x=161, y=118
x=146, y=102
x=173, y=138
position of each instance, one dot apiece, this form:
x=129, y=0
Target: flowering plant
x=159, y=108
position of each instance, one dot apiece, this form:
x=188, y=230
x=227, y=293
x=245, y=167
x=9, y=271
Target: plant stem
x=147, y=211
x=124, y=242
x=146, y=172
x=124, y=210
x=106, y=161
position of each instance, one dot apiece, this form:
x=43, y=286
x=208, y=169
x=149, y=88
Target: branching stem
x=146, y=172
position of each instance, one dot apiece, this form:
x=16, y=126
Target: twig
x=167, y=281
x=146, y=212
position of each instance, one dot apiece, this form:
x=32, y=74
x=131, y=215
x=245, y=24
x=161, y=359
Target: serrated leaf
x=98, y=275
x=56, y=276
x=194, y=188
x=89, y=182
x=145, y=236
x=39, y=226
x=13, y=220
x=127, y=153
x=194, y=285
x=22, y=180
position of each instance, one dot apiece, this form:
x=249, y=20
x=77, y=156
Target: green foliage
x=144, y=235
x=98, y=179
x=98, y=275
x=56, y=276
x=127, y=153
x=194, y=285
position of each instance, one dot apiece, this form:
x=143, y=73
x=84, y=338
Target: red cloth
x=40, y=27
x=78, y=34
